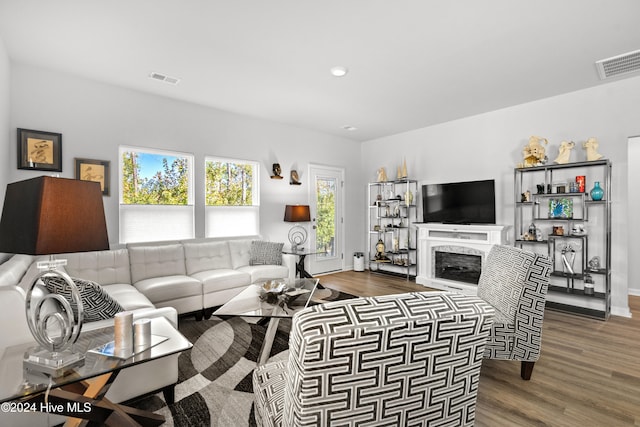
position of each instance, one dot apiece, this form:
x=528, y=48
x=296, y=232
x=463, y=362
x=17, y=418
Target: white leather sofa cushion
x=30, y=276
x=12, y=270
x=215, y=299
x=128, y=296
x=263, y=272
x=156, y=261
x=206, y=256
x=240, y=252
x=220, y=279
x=103, y=267
x=167, y=288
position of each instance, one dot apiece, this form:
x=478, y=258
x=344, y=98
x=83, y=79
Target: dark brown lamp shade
x=297, y=213
x=46, y=215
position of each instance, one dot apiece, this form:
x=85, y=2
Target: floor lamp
x=48, y=216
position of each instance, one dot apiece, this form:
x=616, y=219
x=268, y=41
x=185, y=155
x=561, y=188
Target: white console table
x=468, y=243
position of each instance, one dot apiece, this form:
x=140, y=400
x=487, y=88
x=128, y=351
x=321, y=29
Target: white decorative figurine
x=382, y=175
x=534, y=152
x=565, y=152
x=592, y=149
x=402, y=170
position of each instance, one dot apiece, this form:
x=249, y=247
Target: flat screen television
x=470, y=202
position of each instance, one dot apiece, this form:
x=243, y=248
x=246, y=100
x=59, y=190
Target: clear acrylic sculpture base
x=55, y=364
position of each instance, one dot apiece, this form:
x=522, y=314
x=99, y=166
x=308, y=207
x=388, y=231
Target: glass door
x=326, y=219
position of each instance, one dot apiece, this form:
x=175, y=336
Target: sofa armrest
x=143, y=313
x=289, y=261
x=13, y=317
x=150, y=313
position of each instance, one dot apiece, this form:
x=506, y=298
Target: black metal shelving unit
x=567, y=291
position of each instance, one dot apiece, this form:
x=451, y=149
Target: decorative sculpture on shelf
x=402, y=170
x=381, y=256
x=568, y=258
x=294, y=178
x=277, y=170
x=382, y=175
x=592, y=149
x=565, y=152
x=534, y=152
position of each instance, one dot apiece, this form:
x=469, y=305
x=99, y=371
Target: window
x=156, y=195
x=232, y=197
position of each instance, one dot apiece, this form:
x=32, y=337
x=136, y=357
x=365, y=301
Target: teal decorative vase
x=597, y=193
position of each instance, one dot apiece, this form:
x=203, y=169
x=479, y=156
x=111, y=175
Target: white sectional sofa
x=192, y=276
x=151, y=279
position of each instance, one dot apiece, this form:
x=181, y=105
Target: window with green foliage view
x=231, y=197
x=325, y=216
x=154, y=179
x=229, y=183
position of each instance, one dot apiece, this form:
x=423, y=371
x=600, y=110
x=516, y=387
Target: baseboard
x=621, y=311
x=634, y=292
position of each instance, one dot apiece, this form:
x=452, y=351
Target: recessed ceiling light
x=339, y=71
x=349, y=128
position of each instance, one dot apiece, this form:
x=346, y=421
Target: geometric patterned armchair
x=514, y=282
x=407, y=359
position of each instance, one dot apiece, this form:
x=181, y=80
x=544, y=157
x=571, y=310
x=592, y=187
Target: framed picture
x=94, y=170
x=38, y=150
x=561, y=208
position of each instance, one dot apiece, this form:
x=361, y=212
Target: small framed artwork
x=38, y=150
x=561, y=208
x=94, y=170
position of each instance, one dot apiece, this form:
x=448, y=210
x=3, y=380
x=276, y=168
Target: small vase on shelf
x=597, y=193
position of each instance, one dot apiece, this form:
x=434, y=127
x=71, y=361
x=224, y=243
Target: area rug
x=214, y=379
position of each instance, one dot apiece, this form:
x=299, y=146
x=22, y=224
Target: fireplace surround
x=451, y=256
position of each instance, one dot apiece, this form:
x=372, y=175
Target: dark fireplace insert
x=458, y=267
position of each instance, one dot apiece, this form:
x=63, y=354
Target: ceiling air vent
x=616, y=65
x=164, y=78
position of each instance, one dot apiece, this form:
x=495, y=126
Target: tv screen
x=470, y=202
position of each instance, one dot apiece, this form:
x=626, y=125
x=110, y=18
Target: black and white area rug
x=215, y=377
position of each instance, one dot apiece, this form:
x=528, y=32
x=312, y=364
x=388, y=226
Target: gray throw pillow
x=96, y=302
x=265, y=253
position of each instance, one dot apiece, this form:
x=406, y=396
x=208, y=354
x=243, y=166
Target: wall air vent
x=617, y=65
x=164, y=78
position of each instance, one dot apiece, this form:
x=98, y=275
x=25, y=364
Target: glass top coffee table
x=253, y=302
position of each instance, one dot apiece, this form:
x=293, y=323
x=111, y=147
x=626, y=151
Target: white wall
x=5, y=133
x=96, y=118
x=490, y=145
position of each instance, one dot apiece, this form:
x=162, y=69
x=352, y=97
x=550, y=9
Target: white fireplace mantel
x=456, y=238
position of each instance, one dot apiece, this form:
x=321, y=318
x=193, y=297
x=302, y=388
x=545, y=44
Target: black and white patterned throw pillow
x=96, y=302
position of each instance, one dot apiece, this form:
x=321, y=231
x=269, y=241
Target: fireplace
x=459, y=267
x=450, y=257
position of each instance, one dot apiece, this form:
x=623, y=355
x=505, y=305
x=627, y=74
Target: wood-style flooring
x=588, y=373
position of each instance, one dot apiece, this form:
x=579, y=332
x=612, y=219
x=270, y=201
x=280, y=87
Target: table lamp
x=47, y=216
x=297, y=233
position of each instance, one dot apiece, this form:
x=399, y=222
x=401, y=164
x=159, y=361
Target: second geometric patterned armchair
x=515, y=282
x=397, y=360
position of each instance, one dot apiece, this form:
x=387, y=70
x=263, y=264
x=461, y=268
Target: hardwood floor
x=588, y=373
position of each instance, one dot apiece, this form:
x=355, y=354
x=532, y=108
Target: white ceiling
x=413, y=63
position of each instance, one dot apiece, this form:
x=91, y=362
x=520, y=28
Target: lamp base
x=297, y=237
x=53, y=363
